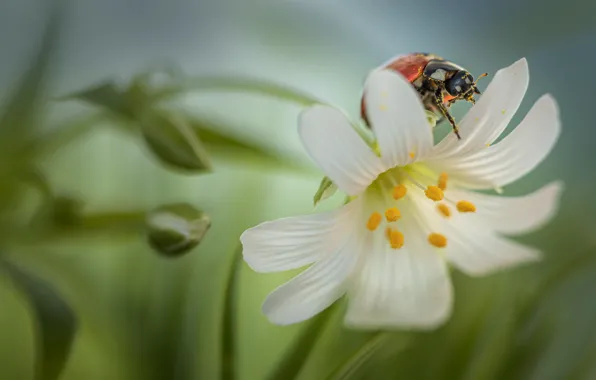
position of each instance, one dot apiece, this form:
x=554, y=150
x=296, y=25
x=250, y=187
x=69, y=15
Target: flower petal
x=405, y=288
x=316, y=288
x=472, y=246
x=337, y=148
x=397, y=117
x=486, y=120
x=294, y=242
x=513, y=215
x=513, y=157
x=482, y=253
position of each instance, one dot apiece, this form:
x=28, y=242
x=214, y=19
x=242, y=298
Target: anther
x=383, y=107
x=465, y=206
x=437, y=240
x=392, y=214
x=373, y=221
x=396, y=238
x=412, y=154
x=444, y=209
x=442, y=184
x=434, y=193
x=399, y=192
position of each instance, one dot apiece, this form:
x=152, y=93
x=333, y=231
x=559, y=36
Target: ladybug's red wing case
x=410, y=66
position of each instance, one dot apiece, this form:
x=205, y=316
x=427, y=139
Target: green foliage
x=174, y=142
x=177, y=228
x=56, y=321
x=326, y=190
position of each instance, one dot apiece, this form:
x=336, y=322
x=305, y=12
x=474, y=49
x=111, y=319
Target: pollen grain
x=434, y=193
x=392, y=214
x=399, y=192
x=442, y=184
x=444, y=210
x=465, y=206
x=437, y=240
x=374, y=221
x=396, y=238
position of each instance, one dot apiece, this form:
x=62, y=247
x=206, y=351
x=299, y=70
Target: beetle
x=439, y=83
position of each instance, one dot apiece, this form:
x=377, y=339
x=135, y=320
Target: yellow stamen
x=443, y=181
x=373, y=221
x=437, y=240
x=434, y=193
x=487, y=144
x=392, y=214
x=444, y=209
x=399, y=192
x=412, y=154
x=465, y=206
x=503, y=111
x=396, y=238
x=383, y=107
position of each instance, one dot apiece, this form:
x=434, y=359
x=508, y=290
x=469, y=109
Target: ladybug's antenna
x=475, y=89
x=480, y=76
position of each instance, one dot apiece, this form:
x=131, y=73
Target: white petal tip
x=517, y=69
x=548, y=105
x=283, y=314
x=520, y=64
x=530, y=256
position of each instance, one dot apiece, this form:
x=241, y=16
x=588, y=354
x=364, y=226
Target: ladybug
x=439, y=82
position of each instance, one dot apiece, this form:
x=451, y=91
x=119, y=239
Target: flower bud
x=174, y=229
x=174, y=141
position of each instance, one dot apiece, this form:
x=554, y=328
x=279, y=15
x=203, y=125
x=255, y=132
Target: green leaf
x=125, y=101
x=326, y=190
x=107, y=95
x=21, y=109
x=56, y=321
x=228, y=356
x=297, y=355
x=175, y=229
x=171, y=138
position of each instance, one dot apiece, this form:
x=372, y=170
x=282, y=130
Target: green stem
x=228, y=362
x=360, y=357
x=221, y=83
x=294, y=360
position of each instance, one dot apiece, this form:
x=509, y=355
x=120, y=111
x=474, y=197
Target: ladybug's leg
x=439, y=103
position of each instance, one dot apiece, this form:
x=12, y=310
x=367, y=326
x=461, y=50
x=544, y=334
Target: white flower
x=412, y=211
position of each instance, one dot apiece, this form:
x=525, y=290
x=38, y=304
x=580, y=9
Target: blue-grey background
x=130, y=301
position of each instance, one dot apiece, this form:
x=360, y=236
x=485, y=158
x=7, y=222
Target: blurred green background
x=91, y=144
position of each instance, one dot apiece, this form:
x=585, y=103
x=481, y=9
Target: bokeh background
x=84, y=296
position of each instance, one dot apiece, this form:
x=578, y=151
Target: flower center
x=396, y=186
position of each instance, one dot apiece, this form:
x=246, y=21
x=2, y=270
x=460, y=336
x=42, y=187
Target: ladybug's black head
x=462, y=85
